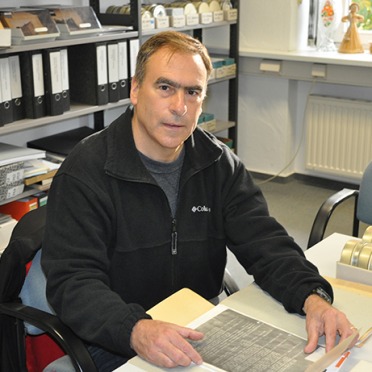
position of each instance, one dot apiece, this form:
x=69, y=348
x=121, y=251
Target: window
x=366, y=12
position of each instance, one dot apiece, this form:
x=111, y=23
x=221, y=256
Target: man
x=148, y=206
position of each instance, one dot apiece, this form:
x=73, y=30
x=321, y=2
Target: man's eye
x=164, y=87
x=194, y=93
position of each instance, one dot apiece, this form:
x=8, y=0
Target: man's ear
x=134, y=86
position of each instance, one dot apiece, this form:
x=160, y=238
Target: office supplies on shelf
x=133, y=52
x=32, y=73
x=65, y=80
x=53, y=81
x=16, y=88
x=6, y=104
x=20, y=207
x=12, y=154
x=123, y=70
x=88, y=77
x=113, y=71
x=75, y=21
x=61, y=143
x=29, y=25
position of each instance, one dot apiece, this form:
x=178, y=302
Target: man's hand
x=165, y=344
x=323, y=319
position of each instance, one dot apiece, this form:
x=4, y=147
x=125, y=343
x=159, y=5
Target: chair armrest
x=229, y=284
x=325, y=212
x=51, y=324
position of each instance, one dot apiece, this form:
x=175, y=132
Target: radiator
x=339, y=135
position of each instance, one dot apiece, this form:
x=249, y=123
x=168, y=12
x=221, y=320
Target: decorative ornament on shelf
x=351, y=42
x=328, y=21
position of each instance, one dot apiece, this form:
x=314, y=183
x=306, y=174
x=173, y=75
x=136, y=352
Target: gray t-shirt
x=167, y=175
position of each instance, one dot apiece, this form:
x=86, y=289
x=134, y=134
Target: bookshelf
x=230, y=122
x=116, y=28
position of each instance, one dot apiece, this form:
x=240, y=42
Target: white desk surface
x=326, y=253
x=263, y=307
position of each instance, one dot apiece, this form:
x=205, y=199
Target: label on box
x=148, y=23
x=178, y=21
x=231, y=70
x=192, y=19
x=14, y=177
x=231, y=15
x=206, y=18
x=218, y=16
x=162, y=22
x=221, y=72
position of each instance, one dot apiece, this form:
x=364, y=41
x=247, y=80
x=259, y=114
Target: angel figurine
x=351, y=42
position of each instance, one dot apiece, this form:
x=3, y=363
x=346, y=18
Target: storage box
x=353, y=273
x=207, y=121
x=5, y=37
x=10, y=191
x=29, y=25
x=206, y=18
x=218, y=16
x=162, y=22
x=192, y=19
x=12, y=174
x=75, y=21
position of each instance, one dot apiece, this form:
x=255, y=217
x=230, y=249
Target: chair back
x=24, y=242
x=364, y=207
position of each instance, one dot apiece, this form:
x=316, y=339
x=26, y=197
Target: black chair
x=23, y=306
x=362, y=208
x=16, y=318
x=229, y=284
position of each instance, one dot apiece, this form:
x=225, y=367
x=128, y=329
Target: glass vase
x=329, y=19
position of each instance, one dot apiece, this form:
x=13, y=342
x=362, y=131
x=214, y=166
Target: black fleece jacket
x=112, y=249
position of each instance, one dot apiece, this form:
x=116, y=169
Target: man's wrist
x=319, y=291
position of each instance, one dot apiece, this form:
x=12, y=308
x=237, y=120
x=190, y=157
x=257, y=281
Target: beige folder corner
x=180, y=308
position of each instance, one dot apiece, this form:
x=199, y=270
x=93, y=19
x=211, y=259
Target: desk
x=255, y=303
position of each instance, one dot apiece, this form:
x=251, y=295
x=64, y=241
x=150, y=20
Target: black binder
x=88, y=73
x=61, y=143
x=33, y=84
x=65, y=80
x=113, y=71
x=53, y=81
x=123, y=70
x=6, y=106
x=16, y=88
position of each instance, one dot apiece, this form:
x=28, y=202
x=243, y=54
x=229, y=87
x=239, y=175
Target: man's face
x=167, y=103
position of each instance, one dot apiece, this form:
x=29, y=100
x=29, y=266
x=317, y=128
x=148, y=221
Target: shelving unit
x=117, y=25
x=134, y=20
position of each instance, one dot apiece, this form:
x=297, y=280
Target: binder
x=16, y=88
x=88, y=73
x=65, y=80
x=6, y=106
x=33, y=84
x=123, y=70
x=133, y=52
x=61, y=143
x=53, y=81
x=113, y=71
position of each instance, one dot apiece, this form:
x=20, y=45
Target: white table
x=255, y=303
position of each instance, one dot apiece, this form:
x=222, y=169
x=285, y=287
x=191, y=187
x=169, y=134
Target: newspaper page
x=234, y=342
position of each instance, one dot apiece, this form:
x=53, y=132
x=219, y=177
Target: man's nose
x=178, y=104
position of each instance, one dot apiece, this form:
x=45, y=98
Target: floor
x=295, y=203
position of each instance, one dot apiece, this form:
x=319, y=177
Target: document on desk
x=236, y=342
